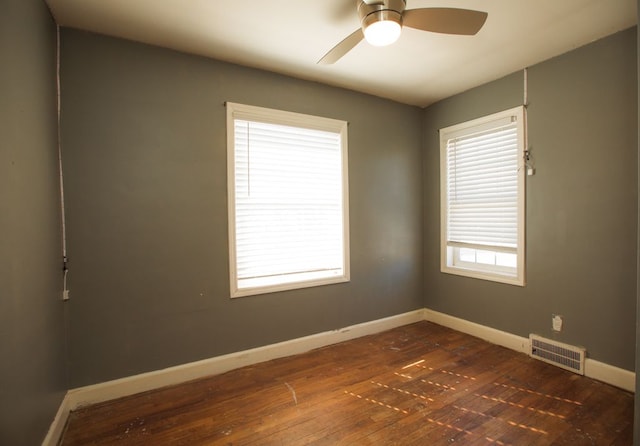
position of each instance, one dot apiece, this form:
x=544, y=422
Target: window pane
x=467, y=255
x=506, y=259
x=486, y=257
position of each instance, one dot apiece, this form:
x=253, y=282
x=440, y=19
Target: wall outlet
x=556, y=322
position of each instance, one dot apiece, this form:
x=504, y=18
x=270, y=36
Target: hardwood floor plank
x=413, y=385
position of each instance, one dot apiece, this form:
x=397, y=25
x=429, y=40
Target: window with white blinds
x=483, y=197
x=288, y=210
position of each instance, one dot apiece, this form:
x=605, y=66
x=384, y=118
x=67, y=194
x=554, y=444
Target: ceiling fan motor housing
x=375, y=11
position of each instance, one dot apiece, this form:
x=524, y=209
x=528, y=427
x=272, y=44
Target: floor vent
x=562, y=355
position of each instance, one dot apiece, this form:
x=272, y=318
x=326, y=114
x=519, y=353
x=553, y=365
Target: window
x=288, y=200
x=482, y=197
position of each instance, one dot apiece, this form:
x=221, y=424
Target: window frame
x=450, y=252
x=252, y=113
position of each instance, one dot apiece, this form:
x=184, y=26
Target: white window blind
x=483, y=188
x=483, y=197
x=289, y=202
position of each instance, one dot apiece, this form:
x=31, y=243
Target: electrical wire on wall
x=528, y=160
x=65, y=268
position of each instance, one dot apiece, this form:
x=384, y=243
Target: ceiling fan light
x=383, y=32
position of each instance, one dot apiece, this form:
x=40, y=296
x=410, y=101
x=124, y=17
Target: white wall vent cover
x=562, y=355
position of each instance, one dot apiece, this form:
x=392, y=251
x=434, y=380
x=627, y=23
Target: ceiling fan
x=382, y=21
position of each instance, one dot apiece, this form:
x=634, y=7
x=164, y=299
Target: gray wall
x=581, y=204
x=144, y=149
x=32, y=368
x=636, y=424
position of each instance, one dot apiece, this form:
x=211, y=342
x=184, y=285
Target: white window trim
x=472, y=270
x=271, y=116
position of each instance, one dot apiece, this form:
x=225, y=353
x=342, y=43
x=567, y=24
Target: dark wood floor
x=421, y=384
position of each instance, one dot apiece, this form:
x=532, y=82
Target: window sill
x=484, y=275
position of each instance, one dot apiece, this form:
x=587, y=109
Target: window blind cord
x=65, y=268
x=248, y=159
x=528, y=161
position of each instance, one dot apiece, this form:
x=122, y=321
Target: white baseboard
x=511, y=341
x=57, y=426
x=82, y=396
x=606, y=373
x=175, y=375
x=624, y=379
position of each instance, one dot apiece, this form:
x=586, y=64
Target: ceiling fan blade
x=464, y=22
x=342, y=48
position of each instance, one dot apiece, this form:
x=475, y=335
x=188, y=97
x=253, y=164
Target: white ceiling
x=290, y=36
